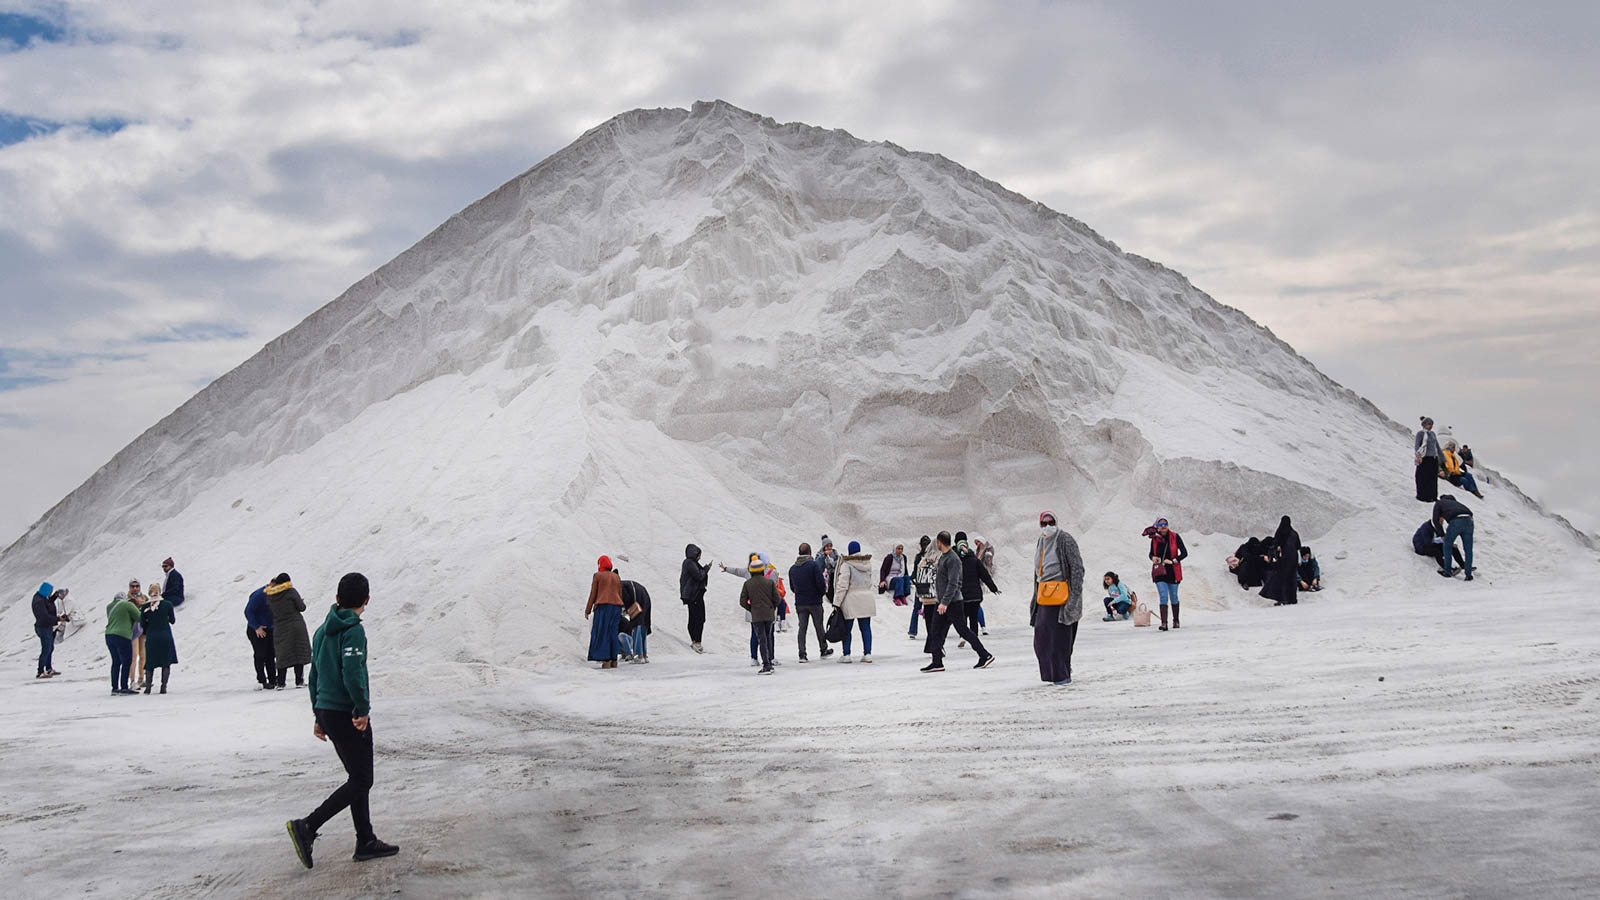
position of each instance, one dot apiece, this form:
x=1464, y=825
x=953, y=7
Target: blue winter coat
x=257, y=614
x=807, y=582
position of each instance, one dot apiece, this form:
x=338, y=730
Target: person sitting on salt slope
x=1167, y=554
x=1426, y=447
x=1283, y=574
x=974, y=575
x=853, y=597
x=1118, y=600
x=1453, y=519
x=1310, y=571
x=160, y=651
x=892, y=575
x=605, y=604
x=1456, y=472
x=1248, y=562
x=171, y=583
x=772, y=575
x=1427, y=542
x=759, y=598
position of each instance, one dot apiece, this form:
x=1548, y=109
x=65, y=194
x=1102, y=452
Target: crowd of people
x=138, y=630
x=1450, y=522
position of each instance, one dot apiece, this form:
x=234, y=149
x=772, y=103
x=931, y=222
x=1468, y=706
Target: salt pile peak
x=705, y=325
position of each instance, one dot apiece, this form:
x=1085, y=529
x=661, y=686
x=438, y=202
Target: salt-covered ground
x=1256, y=752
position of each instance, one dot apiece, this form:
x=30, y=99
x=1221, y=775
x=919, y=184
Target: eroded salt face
x=703, y=325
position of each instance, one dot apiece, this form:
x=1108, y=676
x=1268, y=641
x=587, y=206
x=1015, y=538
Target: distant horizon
x=1302, y=166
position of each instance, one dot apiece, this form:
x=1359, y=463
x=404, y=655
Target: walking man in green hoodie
x=341, y=703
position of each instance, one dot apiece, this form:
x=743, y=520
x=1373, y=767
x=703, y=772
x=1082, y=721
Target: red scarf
x=1172, y=552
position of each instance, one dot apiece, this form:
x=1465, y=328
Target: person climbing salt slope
x=759, y=598
x=947, y=586
x=1453, y=519
x=1167, y=554
x=1057, y=604
x=45, y=620
x=341, y=708
x=974, y=575
x=854, y=598
x=160, y=650
x=605, y=605
x=1427, y=454
x=692, y=578
x=1118, y=599
x=291, y=646
x=1455, y=471
x=258, y=630
x=1427, y=542
x=121, y=613
x=807, y=584
x=1282, y=575
x=1309, y=571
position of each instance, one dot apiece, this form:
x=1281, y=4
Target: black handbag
x=838, y=627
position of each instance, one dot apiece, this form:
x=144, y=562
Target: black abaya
x=1282, y=577
x=1428, y=479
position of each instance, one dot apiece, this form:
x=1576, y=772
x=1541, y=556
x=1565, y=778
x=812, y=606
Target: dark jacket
x=257, y=614
x=1447, y=509
x=1422, y=541
x=159, y=648
x=290, y=644
x=760, y=596
x=1250, y=563
x=806, y=581
x=172, y=588
x=1310, y=571
x=44, y=611
x=634, y=592
x=1282, y=581
x=974, y=575
x=338, y=679
x=1161, y=546
x=693, y=576
x=947, y=579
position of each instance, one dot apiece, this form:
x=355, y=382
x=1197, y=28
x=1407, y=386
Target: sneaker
x=805, y=659
x=911, y=635
x=984, y=633
x=53, y=673
x=303, y=837
x=1469, y=574
x=281, y=687
x=933, y=667
x=1063, y=683
x=132, y=691
x=698, y=648
x=1446, y=574
x=44, y=675
x=755, y=662
x=374, y=849
x=846, y=659
x=866, y=657
x=765, y=670
x=828, y=652
x=986, y=662
x=1106, y=619
x=643, y=660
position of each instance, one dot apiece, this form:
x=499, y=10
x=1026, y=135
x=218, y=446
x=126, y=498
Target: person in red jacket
x=1167, y=554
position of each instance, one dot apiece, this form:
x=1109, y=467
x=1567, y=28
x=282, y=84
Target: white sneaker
x=866, y=657
x=698, y=648
x=755, y=662
x=846, y=659
x=985, y=632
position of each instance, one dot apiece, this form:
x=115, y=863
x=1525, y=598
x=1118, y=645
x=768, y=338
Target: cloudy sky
x=1409, y=193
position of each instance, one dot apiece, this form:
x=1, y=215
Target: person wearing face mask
x=1167, y=554
x=1057, y=604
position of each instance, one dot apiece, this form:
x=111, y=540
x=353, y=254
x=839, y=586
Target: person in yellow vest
x=1456, y=472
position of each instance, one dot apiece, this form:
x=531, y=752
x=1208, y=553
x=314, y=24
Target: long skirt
x=1052, y=643
x=1428, y=479
x=603, y=643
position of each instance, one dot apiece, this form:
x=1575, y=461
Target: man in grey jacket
x=947, y=587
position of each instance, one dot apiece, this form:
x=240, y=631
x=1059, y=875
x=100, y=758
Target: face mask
x=1048, y=531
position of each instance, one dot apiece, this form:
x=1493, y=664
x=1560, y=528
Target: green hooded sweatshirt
x=339, y=664
x=121, y=616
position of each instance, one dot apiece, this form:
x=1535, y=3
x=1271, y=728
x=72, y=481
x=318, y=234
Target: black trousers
x=299, y=675
x=266, y=665
x=697, y=618
x=940, y=630
x=355, y=752
x=973, y=610
x=1428, y=479
x=811, y=616
x=764, y=637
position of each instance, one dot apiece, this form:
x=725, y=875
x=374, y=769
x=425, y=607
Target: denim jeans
x=1168, y=593
x=47, y=647
x=916, y=613
x=638, y=641
x=1460, y=527
x=121, y=660
x=866, y=636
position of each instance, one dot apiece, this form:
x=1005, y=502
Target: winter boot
x=1163, y=618
x=1174, y=615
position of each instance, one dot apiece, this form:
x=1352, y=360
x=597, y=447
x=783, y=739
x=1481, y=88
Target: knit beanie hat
x=47, y=589
x=353, y=591
x=854, y=548
x=961, y=537
x=605, y=563
x=757, y=565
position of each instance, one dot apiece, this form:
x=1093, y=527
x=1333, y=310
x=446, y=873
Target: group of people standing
x=1450, y=520
x=138, y=630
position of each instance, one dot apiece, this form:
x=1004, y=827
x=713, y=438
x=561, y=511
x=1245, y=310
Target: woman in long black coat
x=160, y=651
x=1250, y=565
x=1282, y=576
x=290, y=643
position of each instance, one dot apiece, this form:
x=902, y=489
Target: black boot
x=1163, y=618
x=1174, y=615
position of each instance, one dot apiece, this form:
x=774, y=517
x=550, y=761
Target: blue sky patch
x=15, y=129
x=18, y=31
